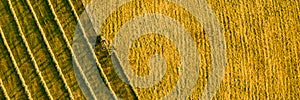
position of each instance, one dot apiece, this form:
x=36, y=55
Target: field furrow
x=18, y=48
x=48, y=31
x=20, y=76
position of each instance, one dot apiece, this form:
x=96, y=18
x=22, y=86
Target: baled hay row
x=15, y=66
x=91, y=49
x=4, y=90
x=29, y=51
x=70, y=48
x=50, y=50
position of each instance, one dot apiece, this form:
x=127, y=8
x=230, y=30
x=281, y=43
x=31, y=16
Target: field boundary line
x=4, y=90
x=29, y=51
x=50, y=50
x=93, y=52
x=70, y=48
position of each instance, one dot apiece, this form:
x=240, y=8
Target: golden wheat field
x=262, y=50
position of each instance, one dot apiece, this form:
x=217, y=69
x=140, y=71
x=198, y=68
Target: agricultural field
x=262, y=51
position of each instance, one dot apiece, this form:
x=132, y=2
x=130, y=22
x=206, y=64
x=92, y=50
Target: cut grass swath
x=12, y=82
x=70, y=48
x=50, y=49
x=91, y=49
x=95, y=57
x=29, y=51
x=1, y=83
x=15, y=66
x=104, y=45
x=4, y=90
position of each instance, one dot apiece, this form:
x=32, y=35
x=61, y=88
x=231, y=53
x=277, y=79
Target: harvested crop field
x=262, y=50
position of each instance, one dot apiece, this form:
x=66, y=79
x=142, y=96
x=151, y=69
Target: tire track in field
x=22, y=58
x=28, y=49
x=15, y=67
x=43, y=33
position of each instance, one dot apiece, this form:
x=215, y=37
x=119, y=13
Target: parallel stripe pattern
x=45, y=40
x=70, y=48
x=91, y=49
x=29, y=51
x=15, y=66
x=50, y=50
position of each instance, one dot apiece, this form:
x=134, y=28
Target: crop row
x=15, y=67
x=39, y=43
x=3, y=89
x=73, y=17
x=23, y=56
x=35, y=38
x=40, y=49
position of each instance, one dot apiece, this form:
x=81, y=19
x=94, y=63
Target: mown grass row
x=103, y=57
x=54, y=86
x=69, y=46
x=20, y=76
x=54, y=38
x=63, y=11
x=12, y=85
x=50, y=49
x=102, y=73
x=4, y=90
x=71, y=19
x=59, y=47
x=2, y=97
x=59, y=42
x=37, y=69
x=22, y=57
